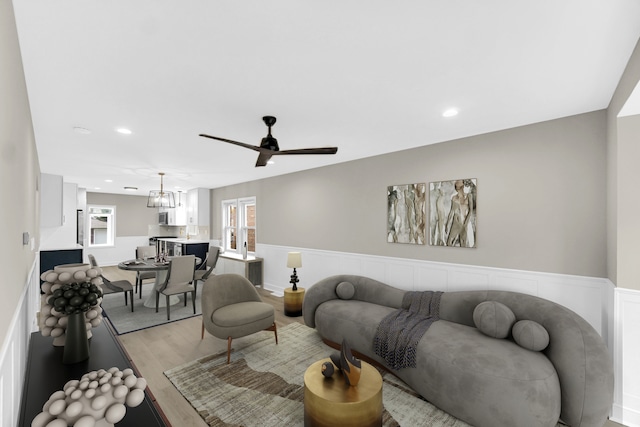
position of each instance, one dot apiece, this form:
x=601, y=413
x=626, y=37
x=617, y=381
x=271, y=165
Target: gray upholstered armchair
x=232, y=308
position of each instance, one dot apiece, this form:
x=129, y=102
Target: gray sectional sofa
x=481, y=379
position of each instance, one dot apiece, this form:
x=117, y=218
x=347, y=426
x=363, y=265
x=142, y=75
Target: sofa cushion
x=345, y=290
x=530, y=335
x=494, y=319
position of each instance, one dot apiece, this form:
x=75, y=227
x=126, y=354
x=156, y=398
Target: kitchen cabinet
x=177, y=215
x=178, y=246
x=198, y=207
x=51, y=200
x=51, y=258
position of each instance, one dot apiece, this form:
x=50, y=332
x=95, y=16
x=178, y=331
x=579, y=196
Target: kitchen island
x=181, y=246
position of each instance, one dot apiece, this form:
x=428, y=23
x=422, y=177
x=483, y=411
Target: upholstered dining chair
x=232, y=308
x=116, y=286
x=209, y=265
x=179, y=281
x=144, y=252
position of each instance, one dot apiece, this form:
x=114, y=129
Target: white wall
x=19, y=213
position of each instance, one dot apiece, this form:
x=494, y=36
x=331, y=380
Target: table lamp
x=294, y=260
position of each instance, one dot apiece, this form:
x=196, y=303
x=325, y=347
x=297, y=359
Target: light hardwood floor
x=158, y=349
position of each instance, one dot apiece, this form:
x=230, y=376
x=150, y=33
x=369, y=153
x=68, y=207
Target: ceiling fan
x=269, y=145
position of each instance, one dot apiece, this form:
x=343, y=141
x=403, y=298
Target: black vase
x=76, y=345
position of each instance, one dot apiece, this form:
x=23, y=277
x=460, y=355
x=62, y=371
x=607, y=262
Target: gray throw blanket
x=398, y=334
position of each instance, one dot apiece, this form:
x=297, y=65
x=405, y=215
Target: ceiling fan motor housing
x=270, y=143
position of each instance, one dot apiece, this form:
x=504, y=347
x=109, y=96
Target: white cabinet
x=198, y=207
x=177, y=215
x=180, y=215
x=51, y=200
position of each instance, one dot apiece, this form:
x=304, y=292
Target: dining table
x=161, y=269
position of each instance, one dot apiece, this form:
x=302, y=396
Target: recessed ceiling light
x=96, y=188
x=271, y=162
x=450, y=112
x=108, y=180
x=81, y=130
x=124, y=131
x=131, y=188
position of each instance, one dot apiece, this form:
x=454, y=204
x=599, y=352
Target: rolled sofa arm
x=365, y=289
x=322, y=291
x=576, y=350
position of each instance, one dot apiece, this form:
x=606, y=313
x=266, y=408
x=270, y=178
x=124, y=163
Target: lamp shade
x=294, y=260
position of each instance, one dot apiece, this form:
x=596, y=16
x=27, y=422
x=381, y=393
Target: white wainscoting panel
x=588, y=296
x=14, y=350
x=626, y=405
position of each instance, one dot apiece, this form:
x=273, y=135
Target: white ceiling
x=370, y=77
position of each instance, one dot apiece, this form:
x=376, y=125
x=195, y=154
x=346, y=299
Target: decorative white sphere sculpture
x=54, y=323
x=97, y=399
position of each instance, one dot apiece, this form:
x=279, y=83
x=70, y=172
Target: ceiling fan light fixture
x=161, y=198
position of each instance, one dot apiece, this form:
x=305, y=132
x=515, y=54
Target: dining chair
x=232, y=308
x=113, y=287
x=210, y=263
x=144, y=252
x=179, y=281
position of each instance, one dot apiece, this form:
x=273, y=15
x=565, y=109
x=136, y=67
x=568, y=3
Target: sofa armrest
x=366, y=289
x=322, y=291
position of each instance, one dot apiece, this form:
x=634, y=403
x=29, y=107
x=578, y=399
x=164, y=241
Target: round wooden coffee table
x=330, y=402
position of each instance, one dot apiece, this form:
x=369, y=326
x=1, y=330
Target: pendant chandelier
x=161, y=199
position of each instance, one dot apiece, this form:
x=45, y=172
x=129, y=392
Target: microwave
x=163, y=218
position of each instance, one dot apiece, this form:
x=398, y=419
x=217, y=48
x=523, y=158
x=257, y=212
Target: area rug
x=263, y=384
x=124, y=321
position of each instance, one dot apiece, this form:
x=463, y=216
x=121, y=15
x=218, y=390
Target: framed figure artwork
x=406, y=213
x=453, y=213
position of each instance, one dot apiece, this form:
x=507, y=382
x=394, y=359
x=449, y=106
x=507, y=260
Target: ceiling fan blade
x=241, y=144
x=322, y=150
x=263, y=158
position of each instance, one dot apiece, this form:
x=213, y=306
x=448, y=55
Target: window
x=101, y=223
x=229, y=229
x=247, y=220
x=239, y=224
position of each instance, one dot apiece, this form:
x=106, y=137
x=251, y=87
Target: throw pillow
x=530, y=335
x=345, y=290
x=494, y=319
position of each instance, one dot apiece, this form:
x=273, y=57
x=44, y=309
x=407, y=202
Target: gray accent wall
x=133, y=217
x=541, y=199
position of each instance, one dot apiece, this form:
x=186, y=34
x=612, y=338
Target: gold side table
x=293, y=302
x=330, y=402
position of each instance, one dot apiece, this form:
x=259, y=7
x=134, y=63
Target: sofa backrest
x=576, y=350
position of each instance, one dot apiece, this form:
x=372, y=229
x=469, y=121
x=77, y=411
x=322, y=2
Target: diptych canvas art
x=406, y=213
x=452, y=207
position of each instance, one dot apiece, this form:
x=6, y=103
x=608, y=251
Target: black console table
x=47, y=374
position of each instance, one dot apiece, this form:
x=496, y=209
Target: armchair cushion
x=242, y=313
